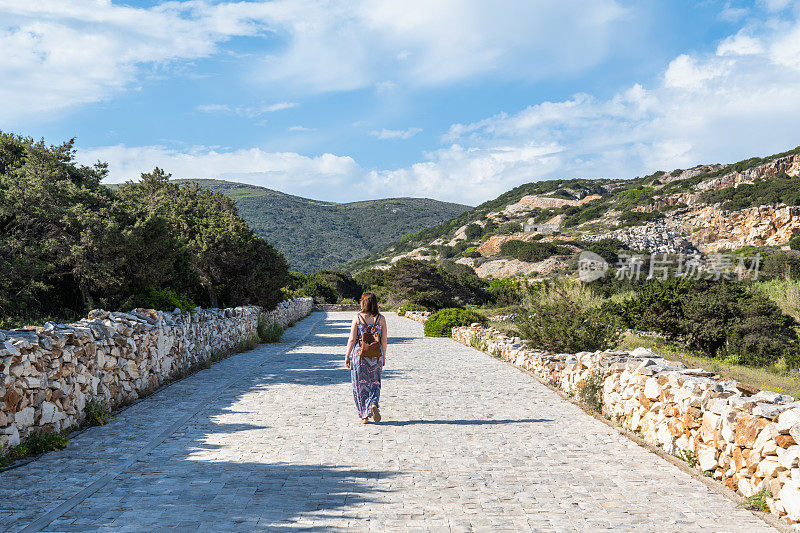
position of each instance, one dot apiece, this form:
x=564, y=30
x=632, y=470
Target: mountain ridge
x=316, y=234
x=712, y=207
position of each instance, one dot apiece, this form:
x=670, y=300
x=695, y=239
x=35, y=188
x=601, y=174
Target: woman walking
x=366, y=355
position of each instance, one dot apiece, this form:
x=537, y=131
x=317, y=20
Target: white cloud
x=57, y=55
x=299, y=128
x=245, y=111
x=385, y=134
x=743, y=100
x=418, y=43
x=740, y=100
x=316, y=177
x=774, y=5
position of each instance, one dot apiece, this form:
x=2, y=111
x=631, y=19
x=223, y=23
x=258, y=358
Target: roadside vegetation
x=69, y=244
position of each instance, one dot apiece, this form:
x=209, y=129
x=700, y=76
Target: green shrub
x=563, y=317
x=505, y=292
x=441, y=323
x=316, y=288
x=409, y=306
x=250, y=343
x=343, y=283
x=591, y=392
x=369, y=279
x=269, y=332
x=532, y=252
x=166, y=299
x=44, y=442
x=34, y=445
x=473, y=231
x=433, y=286
x=794, y=241
x=726, y=319
x=96, y=413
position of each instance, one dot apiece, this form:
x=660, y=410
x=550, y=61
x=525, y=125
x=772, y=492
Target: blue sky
x=455, y=100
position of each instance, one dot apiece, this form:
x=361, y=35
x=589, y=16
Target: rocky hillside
x=316, y=235
x=707, y=208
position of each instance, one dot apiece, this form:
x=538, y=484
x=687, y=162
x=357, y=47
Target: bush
x=505, y=292
x=409, y=306
x=44, y=442
x=344, y=284
x=434, y=286
x=563, y=317
x=269, y=332
x=725, y=319
x=316, y=288
x=532, y=252
x=166, y=299
x=780, y=265
x=96, y=413
x=441, y=323
x=473, y=231
x=794, y=241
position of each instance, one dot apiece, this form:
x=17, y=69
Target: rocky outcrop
x=47, y=374
x=712, y=228
x=656, y=237
x=748, y=442
x=789, y=165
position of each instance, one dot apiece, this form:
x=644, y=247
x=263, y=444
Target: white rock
x=644, y=352
x=790, y=499
x=24, y=418
x=651, y=389
x=767, y=467
x=707, y=458
x=787, y=419
x=788, y=458
x=9, y=436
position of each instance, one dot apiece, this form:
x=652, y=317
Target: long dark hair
x=369, y=303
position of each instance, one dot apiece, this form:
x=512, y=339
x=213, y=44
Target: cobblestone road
x=269, y=439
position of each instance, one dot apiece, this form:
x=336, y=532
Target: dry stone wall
x=47, y=374
x=748, y=442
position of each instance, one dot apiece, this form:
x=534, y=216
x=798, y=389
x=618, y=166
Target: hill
x=316, y=235
x=708, y=208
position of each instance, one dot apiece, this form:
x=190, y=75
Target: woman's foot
x=365, y=420
x=376, y=413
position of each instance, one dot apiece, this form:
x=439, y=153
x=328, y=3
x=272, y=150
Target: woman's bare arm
x=384, y=337
x=351, y=341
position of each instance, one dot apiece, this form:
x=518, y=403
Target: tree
x=231, y=264
x=58, y=229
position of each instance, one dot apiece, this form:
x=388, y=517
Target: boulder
x=707, y=458
x=787, y=419
x=789, y=496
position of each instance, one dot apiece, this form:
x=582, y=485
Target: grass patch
x=271, y=332
x=591, y=393
x=34, y=445
x=775, y=378
x=758, y=501
x=688, y=456
x=96, y=413
x=784, y=292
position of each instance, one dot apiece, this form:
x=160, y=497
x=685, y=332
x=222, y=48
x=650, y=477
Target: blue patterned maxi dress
x=365, y=373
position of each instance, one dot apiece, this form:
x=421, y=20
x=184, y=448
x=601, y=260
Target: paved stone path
x=269, y=440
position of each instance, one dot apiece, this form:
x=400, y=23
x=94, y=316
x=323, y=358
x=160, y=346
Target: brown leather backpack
x=370, y=340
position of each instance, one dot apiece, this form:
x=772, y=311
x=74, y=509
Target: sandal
x=376, y=413
x=365, y=420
